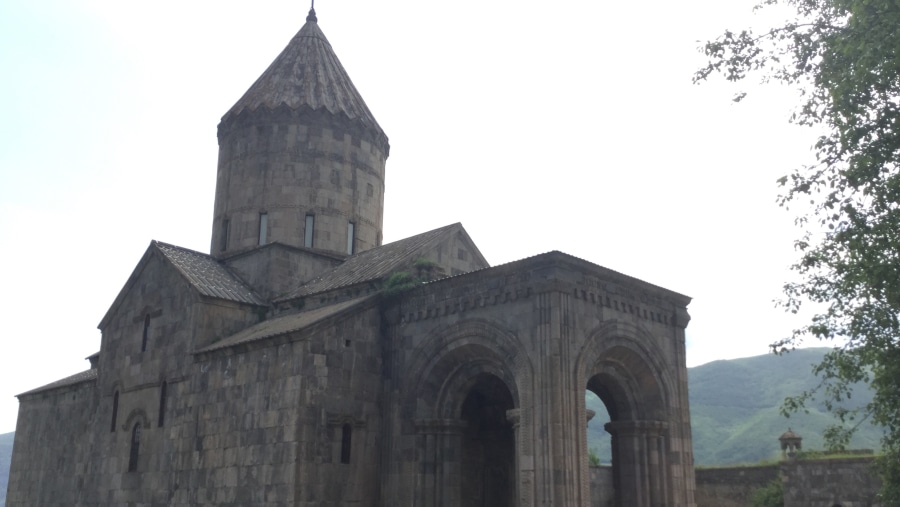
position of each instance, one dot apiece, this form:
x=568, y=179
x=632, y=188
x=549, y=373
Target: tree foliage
x=770, y=495
x=593, y=457
x=844, y=58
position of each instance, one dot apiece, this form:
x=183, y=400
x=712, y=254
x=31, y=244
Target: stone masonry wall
x=602, y=493
x=53, y=429
x=732, y=486
x=542, y=331
x=266, y=428
x=288, y=167
x=847, y=482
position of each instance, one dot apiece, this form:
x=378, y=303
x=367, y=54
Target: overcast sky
x=540, y=126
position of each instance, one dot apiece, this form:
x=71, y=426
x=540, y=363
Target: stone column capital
x=638, y=427
x=514, y=415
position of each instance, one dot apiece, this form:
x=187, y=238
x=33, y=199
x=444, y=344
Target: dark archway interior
x=488, y=445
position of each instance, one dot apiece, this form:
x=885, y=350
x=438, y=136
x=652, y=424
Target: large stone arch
x=447, y=354
x=622, y=364
x=454, y=364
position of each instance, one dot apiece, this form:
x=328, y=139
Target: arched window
x=162, y=404
x=115, y=412
x=224, y=244
x=263, y=228
x=346, y=438
x=351, y=238
x=308, y=231
x=135, y=448
x=146, y=333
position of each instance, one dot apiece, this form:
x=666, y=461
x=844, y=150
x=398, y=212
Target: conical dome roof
x=789, y=435
x=307, y=73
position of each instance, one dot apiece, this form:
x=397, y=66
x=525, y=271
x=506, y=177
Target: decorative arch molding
x=115, y=387
x=461, y=381
x=605, y=346
x=137, y=415
x=452, y=356
x=623, y=362
x=336, y=420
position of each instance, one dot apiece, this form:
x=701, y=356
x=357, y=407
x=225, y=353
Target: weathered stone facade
x=845, y=482
x=277, y=372
x=733, y=486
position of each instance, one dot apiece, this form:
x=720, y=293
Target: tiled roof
x=372, y=264
x=307, y=73
x=282, y=325
x=78, y=378
x=209, y=276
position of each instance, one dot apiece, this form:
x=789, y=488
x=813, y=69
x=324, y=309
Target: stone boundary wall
x=601, y=486
x=732, y=486
x=847, y=482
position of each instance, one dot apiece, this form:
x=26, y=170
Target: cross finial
x=312, y=13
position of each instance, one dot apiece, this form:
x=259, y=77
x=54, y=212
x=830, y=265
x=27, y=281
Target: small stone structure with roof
x=276, y=371
x=790, y=443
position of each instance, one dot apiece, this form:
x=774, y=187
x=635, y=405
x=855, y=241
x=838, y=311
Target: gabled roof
x=283, y=325
x=374, y=264
x=209, y=276
x=78, y=378
x=307, y=73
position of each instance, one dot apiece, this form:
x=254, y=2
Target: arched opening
x=135, y=450
x=606, y=480
x=162, y=404
x=115, y=412
x=598, y=442
x=146, y=333
x=487, y=445
x=633, y=417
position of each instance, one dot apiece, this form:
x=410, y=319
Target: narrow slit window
x=162, y=404
x=115, y=413
x=135, y=448
x=146, y=333
x=263, y=228
x=346, y=441
x=308, y=231
x=225, y=225
x=351, y=235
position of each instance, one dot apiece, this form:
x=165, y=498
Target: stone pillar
x=438, y=471
x=586, y=462
x=522, y=429
x=639, y=463
x=514, y=416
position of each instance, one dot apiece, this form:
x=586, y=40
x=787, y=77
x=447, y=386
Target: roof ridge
x=358, y=264
x=285, y=324
x=205, y=280
x=182, y=248
x=78, y=378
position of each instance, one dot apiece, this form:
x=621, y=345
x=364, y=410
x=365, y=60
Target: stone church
x=302, y=362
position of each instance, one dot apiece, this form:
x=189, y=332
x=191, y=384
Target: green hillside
x=6, y=443
x=735, y=414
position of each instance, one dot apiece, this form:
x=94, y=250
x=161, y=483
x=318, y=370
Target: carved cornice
x=641, y=304
x=417, y=310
